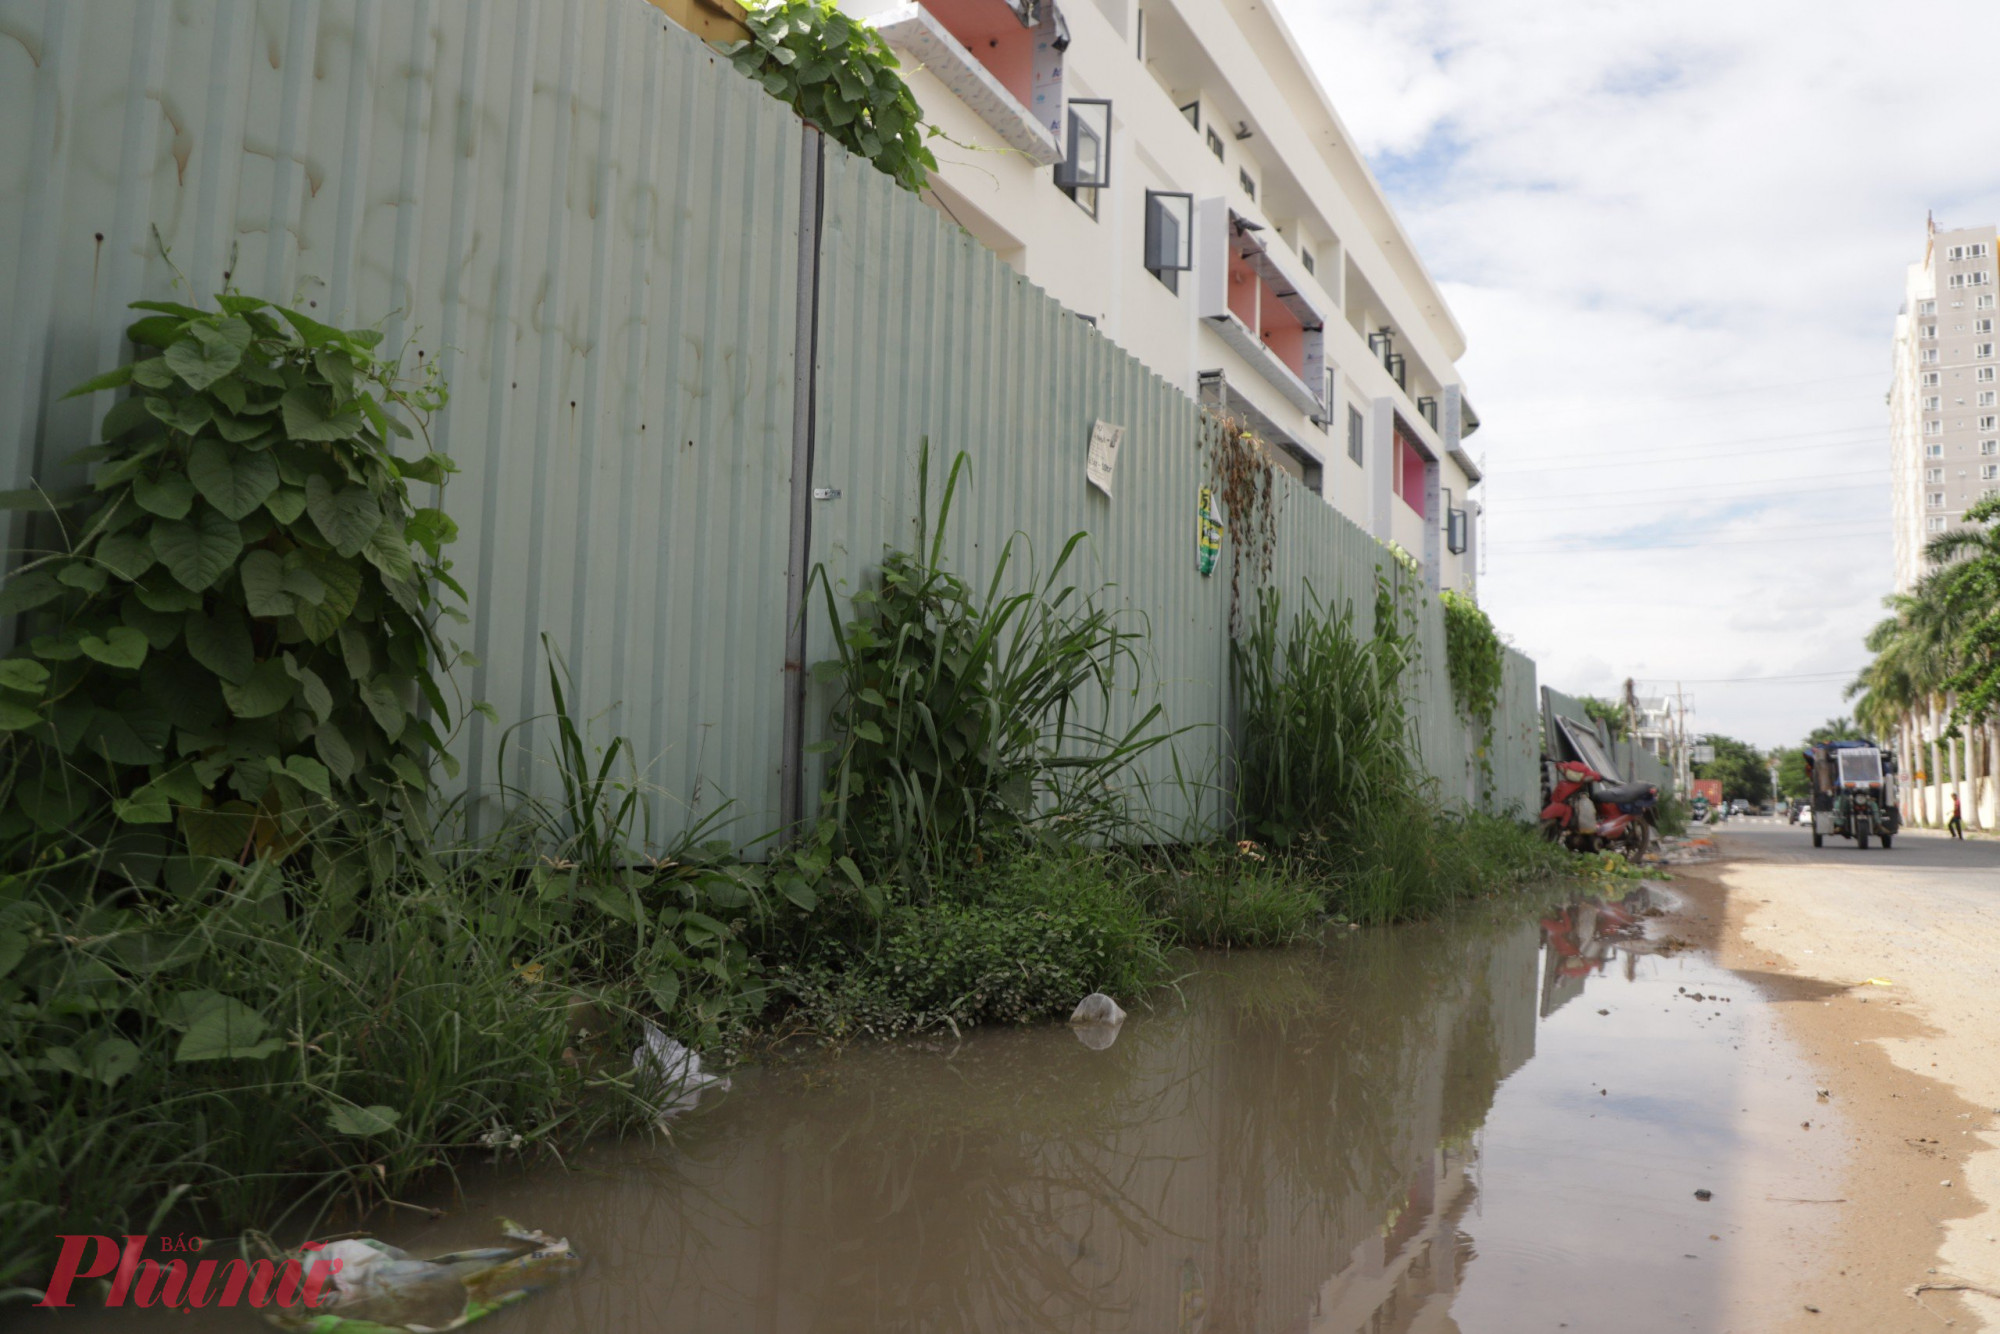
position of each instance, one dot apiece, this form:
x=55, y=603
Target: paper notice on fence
x=1104, y=442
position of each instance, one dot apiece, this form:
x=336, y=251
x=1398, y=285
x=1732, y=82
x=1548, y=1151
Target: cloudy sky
x=1676, y=236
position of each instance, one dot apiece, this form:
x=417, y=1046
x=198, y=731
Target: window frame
x=1357, y=441
x=1068, y=179
x=1168, y=268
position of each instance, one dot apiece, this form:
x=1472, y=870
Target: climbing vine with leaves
x=838, y=73
x=1245, y=481
x=1473, y=657
x=235, y=633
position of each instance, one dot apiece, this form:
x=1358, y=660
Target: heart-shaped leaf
x=286, y=504
x=347, y=1119
x=262, y=574
x=215, y=1027
x=204, y=357
x=200, y=551
x=235, y=481
x=169, y=496
x=347, y=517
x=22, y=674
x=268, y=689
x=126, y=555
x=221, y=643
x=310, y=774
x=309, y=415
x=120, y=646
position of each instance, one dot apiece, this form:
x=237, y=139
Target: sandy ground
x=1911, y=1069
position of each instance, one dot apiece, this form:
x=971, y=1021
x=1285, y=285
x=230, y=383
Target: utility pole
x=1683, y=774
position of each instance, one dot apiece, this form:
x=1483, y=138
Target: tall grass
x=1328, y=774
x=244, y=1047
x=973, y=723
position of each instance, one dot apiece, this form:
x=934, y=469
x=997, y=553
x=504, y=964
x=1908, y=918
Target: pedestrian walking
x=1957, y=825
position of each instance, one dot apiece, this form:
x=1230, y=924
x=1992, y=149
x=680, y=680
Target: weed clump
x=1009, y=943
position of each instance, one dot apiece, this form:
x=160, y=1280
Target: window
x=1930, y=356
x=1086, y=165
x=1927, y=331
x=1984, y=302
x=1306, y=258
x=1169, y=236
x=1933, y=428
x=1139, y=34
x=1989, y=471
x=1982, y=326
x=1935, y=500
x=1458, y=531
x=1934, y=524
x=1354, y=434
x=1930, y=379
x=1933, y=451
x=1957, y=280
x=1932, y=403
x=1926, y=307
x=1934, y=474
x=1979, y=278
x=1956, y=252
x=1977, y=250
x=1989, y=446
x=1989, y=423
x=1984, y=375
x=1982, y=351
x=1193, y=113
x=1987, y=398
x=1215, y=143
x=1243, y=179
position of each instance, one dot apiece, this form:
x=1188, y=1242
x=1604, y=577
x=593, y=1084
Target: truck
x=1854, y=792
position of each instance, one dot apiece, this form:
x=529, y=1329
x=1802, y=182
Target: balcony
x=1002, y=58
x=1252, y=300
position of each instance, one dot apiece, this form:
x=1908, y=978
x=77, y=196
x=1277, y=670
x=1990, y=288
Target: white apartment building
x=1944, y=400
x=1172, y=171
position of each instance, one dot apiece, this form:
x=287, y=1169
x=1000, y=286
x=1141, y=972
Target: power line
x=1651, y=492
x=1746, y=680
x=1659, y=456
x=1625, y=547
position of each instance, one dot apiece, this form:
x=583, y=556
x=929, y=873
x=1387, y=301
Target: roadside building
x=1944, y=403
x=1173, y=172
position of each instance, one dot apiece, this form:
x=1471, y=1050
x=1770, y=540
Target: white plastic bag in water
x=671, y=1075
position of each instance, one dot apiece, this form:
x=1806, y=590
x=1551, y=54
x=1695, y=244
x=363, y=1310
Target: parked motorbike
x=1586, y=813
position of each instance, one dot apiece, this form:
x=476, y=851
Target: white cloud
x=1676, y=237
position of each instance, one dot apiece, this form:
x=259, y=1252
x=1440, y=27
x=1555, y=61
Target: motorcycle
x=1588, y=814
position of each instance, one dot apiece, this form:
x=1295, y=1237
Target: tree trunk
x=1935, y=771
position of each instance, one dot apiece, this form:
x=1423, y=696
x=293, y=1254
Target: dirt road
x=1892, y=962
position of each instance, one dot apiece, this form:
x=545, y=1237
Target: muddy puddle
x=1486, y=1125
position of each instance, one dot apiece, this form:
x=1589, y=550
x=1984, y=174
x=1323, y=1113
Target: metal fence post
x=805, y=376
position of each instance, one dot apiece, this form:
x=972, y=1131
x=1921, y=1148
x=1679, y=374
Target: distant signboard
x=1702, y=754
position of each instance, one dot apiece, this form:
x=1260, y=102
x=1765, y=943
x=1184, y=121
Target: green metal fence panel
x=580, y=212
x=924, y=335
x=1516, y=742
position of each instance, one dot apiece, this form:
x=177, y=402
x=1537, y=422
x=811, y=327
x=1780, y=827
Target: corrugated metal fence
x=595, y=227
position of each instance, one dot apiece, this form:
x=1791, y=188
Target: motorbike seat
x=1618, y=794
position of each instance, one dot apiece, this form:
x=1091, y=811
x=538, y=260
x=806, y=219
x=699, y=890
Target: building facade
x=1944, y=401
x=1172, y=172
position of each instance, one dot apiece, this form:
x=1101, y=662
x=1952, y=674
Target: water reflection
x=1288, y=1150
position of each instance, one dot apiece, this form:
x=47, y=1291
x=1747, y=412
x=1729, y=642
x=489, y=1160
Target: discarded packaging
x=1095, y=1021
x=671, y=1075
x=378, y=1288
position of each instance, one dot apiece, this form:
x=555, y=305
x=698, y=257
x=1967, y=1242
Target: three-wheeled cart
x=1853, y=792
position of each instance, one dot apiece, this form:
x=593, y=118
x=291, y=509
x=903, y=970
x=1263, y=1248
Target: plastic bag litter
x=1097, y=1008
x=380, y=1289
x=671, y=1075
x=1096, y=1020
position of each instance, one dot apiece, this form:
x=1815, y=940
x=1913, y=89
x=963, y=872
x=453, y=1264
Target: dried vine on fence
x=1244, y=477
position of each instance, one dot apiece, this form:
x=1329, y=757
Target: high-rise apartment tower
x=1944, y=403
